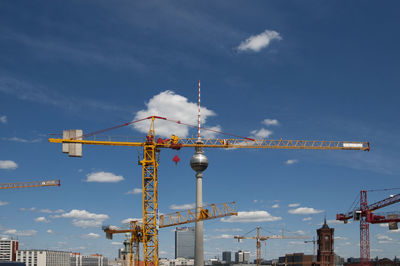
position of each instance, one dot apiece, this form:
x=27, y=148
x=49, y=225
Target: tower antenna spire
x=198, y=118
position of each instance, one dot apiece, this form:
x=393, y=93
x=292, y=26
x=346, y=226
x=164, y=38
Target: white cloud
x=86, y=223
x=293, y=205
x=59, y=211
x=116, y=243
x=251, y=217
x=334, y=222
x=128, y=220
x=16, y=139
x=83, y=218
x=291, y=161
x=261, y=133
x=41, y=220
x=304, y=210
x=3, y=203
x=257, y=42
x=82, y=214
x=270, y=122
x=299, y=243
x=103, y=177
x=172, y=106
x=306, y=219
x=49, y=231
x=8, y=164
x=384, y=237
x=135, y=191
x=183, y=206
x=211, y=132
x=3, y=119
x=20, y=233
x=91, y=235
x=340, y=238
x=275, y=206
x=28, y=209
x=300, y=232
x=224, y=236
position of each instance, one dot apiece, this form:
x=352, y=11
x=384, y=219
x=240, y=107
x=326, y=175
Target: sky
x=320, y=70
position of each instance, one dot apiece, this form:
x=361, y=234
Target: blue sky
x=323, y=70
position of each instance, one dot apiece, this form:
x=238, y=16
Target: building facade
x=44, y=257
x=184, y=242
x=227, y=256
x=8, y=249
x=298, y=259
x=326, y=254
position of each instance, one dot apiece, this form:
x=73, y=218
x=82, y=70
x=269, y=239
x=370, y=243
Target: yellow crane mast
x=72, y=144
x=208, y=212
x=47, y=183
x=260, y=238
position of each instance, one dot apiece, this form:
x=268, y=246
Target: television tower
x=199, y=163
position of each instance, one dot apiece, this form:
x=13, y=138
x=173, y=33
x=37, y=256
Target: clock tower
x=326, y=255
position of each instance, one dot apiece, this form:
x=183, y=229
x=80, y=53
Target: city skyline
x=320, y=70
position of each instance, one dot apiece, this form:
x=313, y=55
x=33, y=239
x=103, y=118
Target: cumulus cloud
x=384, y=237
x=270, y=122
x=91, y=235
x=210, y=132
x=291, y=161
x=261, y=133
x=8, y=164
x=49, y=231
x=183, y=206
x=256, y=43
x=41, y=220
x=3, y=203
x=116, y=243
x=103, y=177
x=172, y=106
x=128, y=220
x=293, y=205
x=83, y=218
x=306, y=219
x=275, y=206
x=224, y=236
x=27, y=209
x=304, y=210
x=20, y=233
x=135, y=191
x=251, y=217
x=3, y=119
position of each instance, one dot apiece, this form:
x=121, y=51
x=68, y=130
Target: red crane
x=365, y=215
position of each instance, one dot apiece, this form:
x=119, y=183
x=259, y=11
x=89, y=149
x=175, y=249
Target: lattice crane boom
x=46, y=183
x=72, y=144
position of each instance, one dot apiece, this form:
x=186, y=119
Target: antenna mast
x=198, y=120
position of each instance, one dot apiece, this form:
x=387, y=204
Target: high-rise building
x=227, y=256
x=8, y=249
x=239, y=257
x=246, y=256
x=184, y=242
x=325, y=255
x=85, y=260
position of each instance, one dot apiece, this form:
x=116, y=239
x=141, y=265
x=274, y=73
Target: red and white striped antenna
x=198, y=118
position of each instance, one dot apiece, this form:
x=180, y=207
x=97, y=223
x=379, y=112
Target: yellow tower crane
x=47, y=183
x=73, y=139
x=208, y=212
x=260, y=238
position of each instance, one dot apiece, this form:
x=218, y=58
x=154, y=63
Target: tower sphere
x=199, y=162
